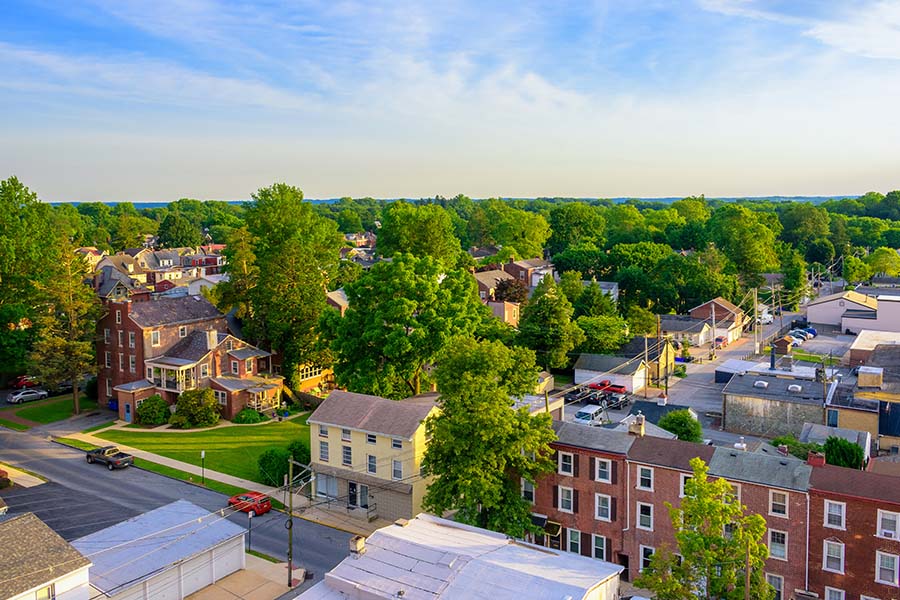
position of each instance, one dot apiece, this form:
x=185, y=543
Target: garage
x=171, y=552
x=628, y=372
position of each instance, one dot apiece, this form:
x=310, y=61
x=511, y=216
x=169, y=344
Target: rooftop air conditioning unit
x=795, y=388
x=761, y=384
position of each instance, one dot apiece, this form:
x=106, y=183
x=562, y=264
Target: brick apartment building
x=607, y=500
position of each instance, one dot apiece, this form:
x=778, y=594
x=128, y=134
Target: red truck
x=608, y=387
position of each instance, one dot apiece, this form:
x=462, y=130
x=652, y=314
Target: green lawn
x=54, y=409
x=74, y=443
x=14, y=425
x=98, y=427
x=231, y=450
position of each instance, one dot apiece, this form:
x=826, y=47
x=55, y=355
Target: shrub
x=90, y=388
x=683, y=424
x=797, y=448
x=248, y=415
x=273, y=466
x=178, y=421
x=153, y=411
x=680, y=371
x=198, y=407
x=300, y=451
x=843, y=453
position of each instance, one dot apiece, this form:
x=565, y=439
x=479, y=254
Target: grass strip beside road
x=77, y=444
x=14, y=425
x=271, y=559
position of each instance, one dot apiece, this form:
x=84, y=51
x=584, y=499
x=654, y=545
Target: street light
x=203, y=467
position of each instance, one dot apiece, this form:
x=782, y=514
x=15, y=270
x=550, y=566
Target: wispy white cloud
x=873, y=31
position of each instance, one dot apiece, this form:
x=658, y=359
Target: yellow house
x=366, y=454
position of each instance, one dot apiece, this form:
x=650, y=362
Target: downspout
x=806, y=569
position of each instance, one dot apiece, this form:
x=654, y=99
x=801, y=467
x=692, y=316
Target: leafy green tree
x=153, y=411
x=795, y=447
x=198, y=408
x=663, y=223
x=546, y=326
x=570, y=285
x=843, y=453
x=574, y=223
x=866, y=231
x=683, y=424
x=401, y=314
x=884, y=261
x=299, y=450
x=177, y=231
x=523, y=232
x=803, y=223
x=273, y=466
x=477, y=381
x=710, y=563
x=627, y=225
x=603, y=334
x=745, y=239
x=794, y=269
x=587, y=259
x=641, y=321
x=419, y=230
x=348, y=272
x=349, y=221
x=511, y=290
x=594, y=302
x=820, y=250
x=855, y=269
x=644, y=255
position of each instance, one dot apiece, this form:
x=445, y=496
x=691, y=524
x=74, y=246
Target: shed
x=170, y=553
x=628, y=372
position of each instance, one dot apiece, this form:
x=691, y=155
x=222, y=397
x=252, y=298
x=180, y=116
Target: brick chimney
x=816, y=459
x=783, y=450
x=636, y=427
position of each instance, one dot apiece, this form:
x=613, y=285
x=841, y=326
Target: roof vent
x=357, y=545
x=761, y=384
x=795, y=388
x=740, y=445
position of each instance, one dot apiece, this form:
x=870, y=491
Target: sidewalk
x=20, y=477
x=303, y=507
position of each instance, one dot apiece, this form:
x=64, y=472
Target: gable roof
x=757, y=467
x=858, y=484
x=635, y=346
x=869, y=302
x=533, y=263
x=720, y=301
x=32, y=554
x=682, y=323
x=372, y=413
x=490, y=279
x=592, y=438
x=675, y=454
x=170, y=311
x=607, y=363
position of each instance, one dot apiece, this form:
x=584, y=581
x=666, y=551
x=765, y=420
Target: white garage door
x=229, y=557
x=164, y=586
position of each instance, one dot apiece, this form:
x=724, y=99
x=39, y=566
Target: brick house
x=170, y=345
x=487, y=283
x=530, y=271
x=729, y=319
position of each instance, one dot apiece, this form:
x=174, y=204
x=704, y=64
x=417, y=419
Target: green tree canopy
x=546, y=326
x=594, y=302
x=855, y=269
x=745, y=239
x=477, y=381
x=574, y=223
x=419, y=230
x=177, y=231
x=511, y=290
x=603, y=334
x=683, y=424
x=843, y=453
x=523, y=232
x=884, y=261
x=803, y=222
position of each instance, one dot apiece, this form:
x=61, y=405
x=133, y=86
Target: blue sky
x=136, y=100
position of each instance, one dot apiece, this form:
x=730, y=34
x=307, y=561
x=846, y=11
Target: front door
x=358, y=495
x=351, y=494
x=128, y=412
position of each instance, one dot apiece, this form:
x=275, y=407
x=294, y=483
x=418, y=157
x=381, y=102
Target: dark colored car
x=615, y=401
x=252, y=503
x=577, y=394
x=24, y=381
x=110, y=456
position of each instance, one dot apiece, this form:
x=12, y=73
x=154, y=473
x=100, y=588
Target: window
x=150, y=373
x=121, y=337
x=777, y=582
x=234, y=368
x=47, y=593
x=397, y=444
x=565, y=499
x=684, y=479
x=248, y=365
x=645, y=478
x=602, y=507
x=604, y=470
x=370, y=438
x=131, y=339
x=833, y=557
x=121, y=361
x=565, y=463
x=221, y=397
x=106, y=335
x=323, y=451
x=308, y=372
x=834, y=594
x=778, y=503
x=831, y=416
x=346, y=456
x=345, y=435
x=229, y=345
x=108, y=388
x=646, y=554
x=204, y=371
x=182, y=331
x=107, y=359
x=599, y=547
x=527, y=490
x=645, y=516
x=574, y=541
x=396, y=470
x=778, y=544
x=132, y=364
x=728, y=531
x=323, y=430
x=371, y=464
x=154, y=338
x=834, y=514
x=886, y=568
x=326, y=486
x=887, y=524
x=118, y=317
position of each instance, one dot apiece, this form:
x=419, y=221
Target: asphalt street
x=82, y=498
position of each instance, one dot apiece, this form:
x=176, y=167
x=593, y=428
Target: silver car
x=26, y=395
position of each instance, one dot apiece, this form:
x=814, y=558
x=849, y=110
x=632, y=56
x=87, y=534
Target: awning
x=538, y=520
x=553, y=529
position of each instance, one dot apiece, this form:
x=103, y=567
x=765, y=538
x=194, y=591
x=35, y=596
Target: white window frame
x=834, y=594
x=371, y=438
x=131, y=338
x=132, y=363
x=639, y=483
x=604, y=545
x=528, y=487
x=638, y=514
x=120, y=337
x=396, y=470
x=346, y=435
x=779, y=589
x=396, y=444
x=221, y=397
x=608, y=463
x=182, y=331
x=571, y=492
x=107, y=359
x=149, y=372
x=154, y=338
x=347, y=456
x=864, y=597
x=106, y=335
x=118, y=317
x=121, y=362
x=787, y=498
x=879, y=532
x=204, y=370
x=642, y=558
x=832, y=543
x=878, y=579
x=843, y=505
x=598, y=498
x=108, y=388
x=323, y=430
x=684, y=479
x=560, y=463
x=248, y=365
x=235, y=368
x=371, y=464
x=576, y=545
x=323, y=450
x=769, y=544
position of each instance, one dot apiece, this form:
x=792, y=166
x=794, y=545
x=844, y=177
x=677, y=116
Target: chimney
x=662, y=400
x=357, y=545
x=816, y=459
x=741, y=445
x=212, y=339
x=783, y=450
x=636, y=427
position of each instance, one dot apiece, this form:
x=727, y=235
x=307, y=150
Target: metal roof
x=126, y=554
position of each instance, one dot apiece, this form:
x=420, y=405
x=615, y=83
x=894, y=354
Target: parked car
x=801, y=333
x=608, y=387
x=721, y=342
x=252, y=503
x=811, y=330
x=578, y=394
x=26, y=395
x=765, y=319
x=592, y=414
x=24, y=381
x=615, y=401
x=110, y=456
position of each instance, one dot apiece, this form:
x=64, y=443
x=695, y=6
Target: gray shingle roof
x=681, y=323
x=491, y=278
x=372, y=413
x=811, y=392
x=753, y=467
x=604, y=363
x=247, y=352
x=675, y=454
x=193, y=347
x=170, y=311
x=33, y=554
x=593, y=438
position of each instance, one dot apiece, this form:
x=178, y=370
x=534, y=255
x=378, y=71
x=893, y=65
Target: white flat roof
x=867, y=339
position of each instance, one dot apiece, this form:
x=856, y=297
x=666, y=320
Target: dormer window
x=182, y=331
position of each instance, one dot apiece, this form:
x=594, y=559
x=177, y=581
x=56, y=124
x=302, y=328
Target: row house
x=832, y=533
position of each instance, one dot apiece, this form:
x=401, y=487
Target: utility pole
x=646, y=369
x=290, y=523
x=747, y=574
x=780, y=311
x=712, y=350
x=756, y=322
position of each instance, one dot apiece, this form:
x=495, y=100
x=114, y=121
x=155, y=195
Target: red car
x=608, y=387
x=24, y=381
x=254, y=503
